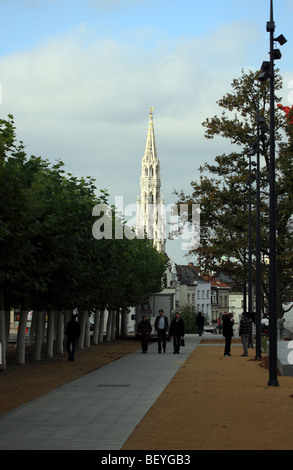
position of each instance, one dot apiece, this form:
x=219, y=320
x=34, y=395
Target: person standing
x=161, y=327
x=244, y=332
x=72, y=332
x=144, y=329
x=177, y=331
x=200, y=323
x=228, y=324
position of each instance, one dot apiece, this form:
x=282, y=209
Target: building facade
x=194, y=290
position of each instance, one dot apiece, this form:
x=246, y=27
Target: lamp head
x=264, y=71
x=281, y=40
x=277, y=54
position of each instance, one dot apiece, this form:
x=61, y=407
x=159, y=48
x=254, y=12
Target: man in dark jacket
x=144, y=329
x=244, y=332
x=228, y=324
x=72, y=332
x=177, y=331
x=161, y=327
x=200, y=323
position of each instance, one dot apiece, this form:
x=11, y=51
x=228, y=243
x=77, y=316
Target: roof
x=187, y=275
x=217, y=282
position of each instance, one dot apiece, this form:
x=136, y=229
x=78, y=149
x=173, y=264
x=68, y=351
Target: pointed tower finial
x=150, y=148
x=150, y=211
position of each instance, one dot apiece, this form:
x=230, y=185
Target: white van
x=288, y=315
x=288, y=318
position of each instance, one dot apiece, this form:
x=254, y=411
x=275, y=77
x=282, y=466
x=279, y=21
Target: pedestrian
x=144, y=330
x=200, y=323
x=161, y=327
x=228, y=324
x=177, y=331
x=72, y=332
x=244, y=328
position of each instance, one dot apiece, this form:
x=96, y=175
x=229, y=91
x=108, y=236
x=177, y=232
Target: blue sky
x=80, y=76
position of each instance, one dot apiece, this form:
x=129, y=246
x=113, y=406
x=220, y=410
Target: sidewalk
x=98, y=411
x=198, y=400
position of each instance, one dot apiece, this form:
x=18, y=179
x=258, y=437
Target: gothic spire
x=150, y=147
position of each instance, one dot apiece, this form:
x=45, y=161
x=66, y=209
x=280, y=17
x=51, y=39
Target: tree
x=222, y=193
x=51, y=263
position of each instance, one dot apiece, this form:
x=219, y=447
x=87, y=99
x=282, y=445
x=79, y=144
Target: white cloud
x=86, y=101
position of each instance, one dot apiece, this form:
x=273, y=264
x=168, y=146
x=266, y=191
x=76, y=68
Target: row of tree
x=50, y=260
x=222, y=188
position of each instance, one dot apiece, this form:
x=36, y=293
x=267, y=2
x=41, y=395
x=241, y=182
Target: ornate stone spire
x=150, y=205
x=150, y=148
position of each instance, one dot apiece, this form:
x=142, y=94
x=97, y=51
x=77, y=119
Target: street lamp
x=268, y=72
x=260, y=136
x=250, y=294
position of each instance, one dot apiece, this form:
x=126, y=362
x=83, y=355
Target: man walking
x=177, y=331
x=72, y=332
x=161, y=327
x=144, y=330
x=228, y=324
x=244, y=332
x=200, y=323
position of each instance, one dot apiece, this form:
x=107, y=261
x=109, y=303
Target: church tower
x=150, y=204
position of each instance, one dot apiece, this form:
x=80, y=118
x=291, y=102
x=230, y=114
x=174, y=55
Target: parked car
x=210, y=328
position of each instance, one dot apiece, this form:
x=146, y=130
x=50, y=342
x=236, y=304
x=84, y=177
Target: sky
x=79, y=77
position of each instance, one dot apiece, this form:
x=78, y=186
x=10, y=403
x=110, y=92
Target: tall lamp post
x=250, y=293
x=261, y=129
x=258, y=245
x=274, y=54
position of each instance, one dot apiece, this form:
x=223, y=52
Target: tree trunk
x=59, y=332
x=114, y=325
x=7, y=327
x=39, y=336
x=117, y=323
x=109, y=325
x=67, y=317
x=20, y=342
x=102, y=325
x=45, y=316
x=32, y=330
x=50, y=333
x=87, y=333
x=82, y=321
x=2, y=335
x=96, y=327
x=124, y=327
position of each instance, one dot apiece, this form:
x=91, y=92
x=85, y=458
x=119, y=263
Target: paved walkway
x=98, y=411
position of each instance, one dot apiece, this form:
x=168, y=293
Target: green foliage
x=222, y=193
x=188, y=314
x=49, y=257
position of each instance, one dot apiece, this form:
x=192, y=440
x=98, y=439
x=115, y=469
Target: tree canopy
x=222, y=189
x=49, y=258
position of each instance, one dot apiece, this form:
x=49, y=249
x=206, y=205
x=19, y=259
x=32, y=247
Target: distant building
x=194, y=290
x=219, y=297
